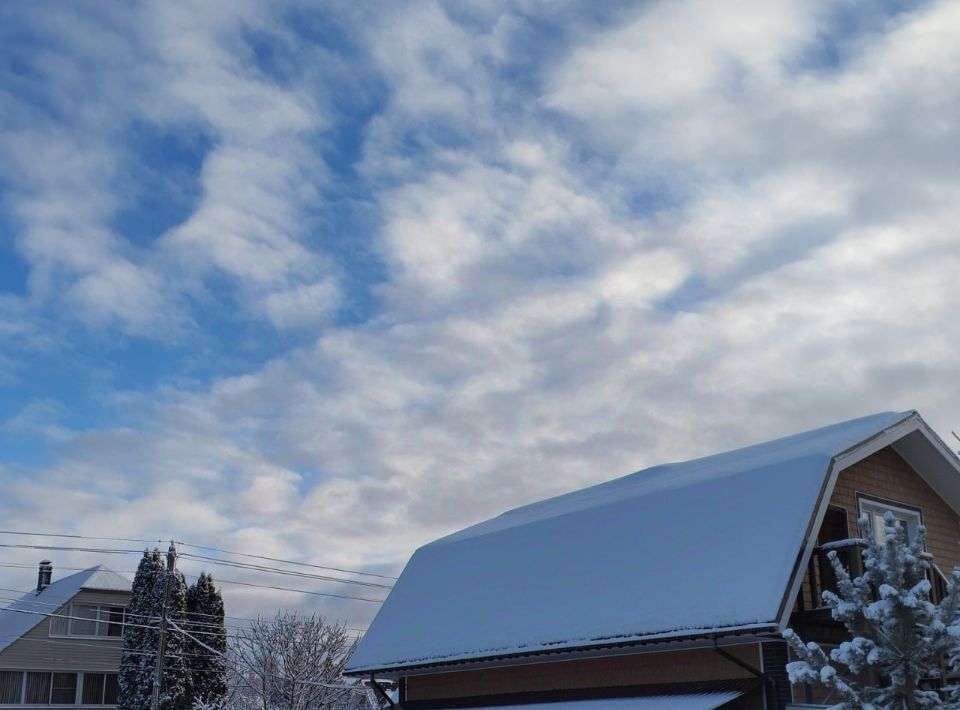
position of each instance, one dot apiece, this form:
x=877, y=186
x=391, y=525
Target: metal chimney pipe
x=44, y=575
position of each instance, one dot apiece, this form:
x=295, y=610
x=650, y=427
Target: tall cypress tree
x=139, y=655
x=176, y=690
x=138, y=660
x=206, y=622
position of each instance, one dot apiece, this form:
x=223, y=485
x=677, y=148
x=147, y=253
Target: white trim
x=803, y=558
x=872, y=507
x=838, y=463
x=940, y=480
x=894, y=433
x=870, y=446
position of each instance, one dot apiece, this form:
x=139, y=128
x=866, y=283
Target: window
x=906, y=518
x=55, y=688
x=84, y=621
x=111, y=621
x=64, y=689
x=93, y=688
x=11, y=686
x=38, y=689
x=60, y=625
x=89, y=621
x=100, y=689
x=111, y=690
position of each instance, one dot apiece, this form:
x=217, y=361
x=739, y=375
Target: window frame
x=875, y=505
x=104, y=619
x=80, y=680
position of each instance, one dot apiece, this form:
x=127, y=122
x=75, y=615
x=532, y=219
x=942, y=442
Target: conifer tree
x=176, y=689
x=138, y=660
x=138, y=657
x=899, y=637
x=206, y=622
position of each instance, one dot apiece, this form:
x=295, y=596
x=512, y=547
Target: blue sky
x=328, y=283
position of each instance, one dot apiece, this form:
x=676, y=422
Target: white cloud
x=171, y=67
x=535, y=332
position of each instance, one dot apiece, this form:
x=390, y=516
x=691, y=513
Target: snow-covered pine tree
x=205, y=620
x=138, y=657
x=898, y=635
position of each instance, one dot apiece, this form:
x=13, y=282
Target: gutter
x=647, y=644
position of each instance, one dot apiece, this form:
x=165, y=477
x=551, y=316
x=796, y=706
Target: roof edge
x=690, y=638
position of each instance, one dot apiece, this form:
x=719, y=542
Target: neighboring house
x=60, y=644
x=668, y=588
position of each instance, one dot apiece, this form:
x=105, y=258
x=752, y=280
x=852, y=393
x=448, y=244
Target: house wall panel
x=611, y=671
x=886, y=475
x=36, y=650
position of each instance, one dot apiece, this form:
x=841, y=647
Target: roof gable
x=33, y=607
x=677, y=550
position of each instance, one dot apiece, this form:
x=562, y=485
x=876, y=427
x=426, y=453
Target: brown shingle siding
x=635, y=669
x=886, y=475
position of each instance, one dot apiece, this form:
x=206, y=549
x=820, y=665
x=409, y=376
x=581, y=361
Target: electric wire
x=225, y=581
x=199, y=547
x=275, y=570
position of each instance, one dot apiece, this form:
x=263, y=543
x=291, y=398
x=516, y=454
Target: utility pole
x=162, y=637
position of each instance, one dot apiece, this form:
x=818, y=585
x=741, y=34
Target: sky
x=326, y=281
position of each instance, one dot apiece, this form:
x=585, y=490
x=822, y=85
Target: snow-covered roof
x=678, y=550
x=696, y=701
x=16, y=618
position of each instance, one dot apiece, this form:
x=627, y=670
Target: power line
x=77, y=644
x=275, y=570
x=79, y=537
x=288, y=562
x=52, y=615
x=226, y=581
x=193, y=613
x=194, y=546
x=300, y=591
x=63, y=616
x=62, y=548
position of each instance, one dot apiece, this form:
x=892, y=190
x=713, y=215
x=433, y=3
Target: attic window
x=88, y=621
x=907, y=518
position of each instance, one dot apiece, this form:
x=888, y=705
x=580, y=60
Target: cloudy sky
x=326, y=281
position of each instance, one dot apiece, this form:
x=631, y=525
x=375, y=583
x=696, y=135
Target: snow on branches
x=897, y=634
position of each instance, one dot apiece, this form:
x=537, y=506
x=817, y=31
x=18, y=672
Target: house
x=667, y=588
x=60, y=644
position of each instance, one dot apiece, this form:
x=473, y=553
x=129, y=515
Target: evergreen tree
x=898, y=635
x=138, y=657
x=176, y=689
x=138, y=660
x=206, y=622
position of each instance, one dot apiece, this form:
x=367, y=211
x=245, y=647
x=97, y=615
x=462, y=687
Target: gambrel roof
x=33, y=607
x=709, y=547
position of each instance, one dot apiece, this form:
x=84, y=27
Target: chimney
x=44, y=574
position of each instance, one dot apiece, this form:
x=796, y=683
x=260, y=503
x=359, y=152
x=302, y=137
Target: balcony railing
x=821, y=576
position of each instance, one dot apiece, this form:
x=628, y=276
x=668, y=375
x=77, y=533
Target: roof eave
x=703, y=638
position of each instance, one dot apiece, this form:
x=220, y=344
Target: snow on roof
x=14, y=623
x=104, y=580
x=697, y=701
x=673, y=550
